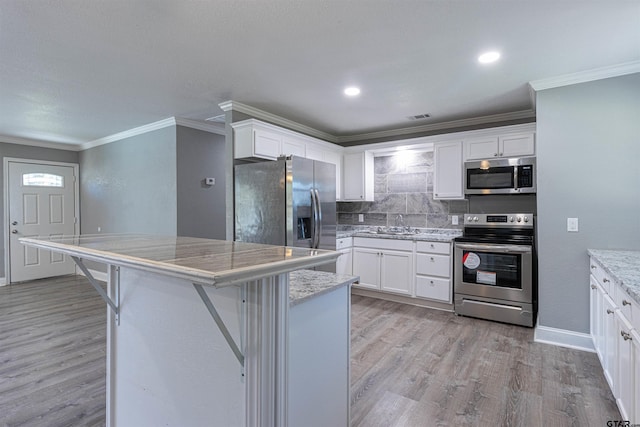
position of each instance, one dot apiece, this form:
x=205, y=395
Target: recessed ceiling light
x=489, y=57
x=352, y=91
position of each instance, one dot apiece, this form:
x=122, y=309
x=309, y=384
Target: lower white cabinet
x=616, y=340
x=433, y=271
x=384, y=264
x=344, y=263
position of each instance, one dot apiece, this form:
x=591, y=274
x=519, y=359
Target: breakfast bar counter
x=198, y=330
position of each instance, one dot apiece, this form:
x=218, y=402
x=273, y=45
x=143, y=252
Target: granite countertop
x=623, y=267
x=307, y=284
x=203, y=261
x=427, y=234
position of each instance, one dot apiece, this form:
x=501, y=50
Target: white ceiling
x=74, y=71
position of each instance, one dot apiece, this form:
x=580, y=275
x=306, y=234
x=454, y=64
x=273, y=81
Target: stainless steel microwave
x=500, y=176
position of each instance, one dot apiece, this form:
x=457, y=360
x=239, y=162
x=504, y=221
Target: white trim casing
x=563, y=338
x=3, y=281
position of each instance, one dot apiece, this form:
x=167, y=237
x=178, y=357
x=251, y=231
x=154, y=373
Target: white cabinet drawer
x=624, y=302
x=433, y=265
x=433, y=288
x=433, y=247
x=601, y=276
x=398, y=245
x=345, y=242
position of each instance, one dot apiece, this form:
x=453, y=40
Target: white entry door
x=42, y=202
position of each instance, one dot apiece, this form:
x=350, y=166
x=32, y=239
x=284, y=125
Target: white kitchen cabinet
x=433, y=271
x=291, y=146
x=344, y=263
x=383, y=264
x=616, y=339
x=597, y=318
x=358, y=176
x=366, y=264
x=447, y=175
x=625, y=364
x=515, y=145
x=256, y=140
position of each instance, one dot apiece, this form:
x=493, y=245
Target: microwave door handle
x=515, y=177
x=522, y=249
x=319, y=218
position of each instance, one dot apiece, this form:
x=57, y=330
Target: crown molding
x=42, y=144
x=206, y=127
x=277, y=120
x=171, y=121
x=586, y=76
x=454, y=124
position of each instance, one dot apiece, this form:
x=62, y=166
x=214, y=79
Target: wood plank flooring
x=52, y=354
x=410, y=366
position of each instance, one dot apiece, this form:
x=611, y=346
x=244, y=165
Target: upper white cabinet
x=255, y=140
x=499, y=146
x=447, y=174
x=358, y=176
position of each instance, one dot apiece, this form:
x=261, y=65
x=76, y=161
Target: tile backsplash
x=403, y=186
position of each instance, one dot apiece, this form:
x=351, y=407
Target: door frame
x=5, y=198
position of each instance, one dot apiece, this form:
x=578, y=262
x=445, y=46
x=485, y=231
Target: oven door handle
x=519, y=249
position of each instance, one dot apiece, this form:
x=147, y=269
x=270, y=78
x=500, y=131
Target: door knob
x=14, y=223
x=14, y=231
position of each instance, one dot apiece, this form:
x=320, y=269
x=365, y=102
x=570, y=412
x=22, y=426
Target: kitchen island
x=198, y=330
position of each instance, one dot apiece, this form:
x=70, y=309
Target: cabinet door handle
x=625, y=302
x=432, y=260
x=625, y=335
x=593, y=286
x=609, y=311
x=495, y=154
x=605, y=280
x=593, y=267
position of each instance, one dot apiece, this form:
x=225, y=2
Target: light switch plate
x=572, y=225
x=360, y=217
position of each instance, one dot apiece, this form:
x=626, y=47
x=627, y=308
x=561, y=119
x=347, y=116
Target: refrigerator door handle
x=319, y=217
x=314, y=219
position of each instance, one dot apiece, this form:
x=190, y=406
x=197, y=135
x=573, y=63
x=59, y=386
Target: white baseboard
x=98, y=275
x=3, y=281
x=563, y=338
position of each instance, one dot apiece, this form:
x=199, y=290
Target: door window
x=42, y=180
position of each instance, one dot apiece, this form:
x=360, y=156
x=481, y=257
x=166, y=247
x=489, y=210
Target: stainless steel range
x=495, y=268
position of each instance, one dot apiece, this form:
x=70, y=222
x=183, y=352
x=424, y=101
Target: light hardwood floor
x=411, y=366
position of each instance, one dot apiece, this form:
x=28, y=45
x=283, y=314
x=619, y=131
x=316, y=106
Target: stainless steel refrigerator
x=287, y=202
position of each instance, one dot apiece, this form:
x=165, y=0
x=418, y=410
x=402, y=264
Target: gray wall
x=201, y=208
x=588, y=151
x=403, y=185
x=130, y=185
x=33, y=153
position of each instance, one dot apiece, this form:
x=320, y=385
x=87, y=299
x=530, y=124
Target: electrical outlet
x=99, y=229
x=572, y=225
x=210, y=181
x=454, y=219
x=360, y=217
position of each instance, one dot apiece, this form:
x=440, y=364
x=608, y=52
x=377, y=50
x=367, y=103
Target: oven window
x=497, y=177
x=492, y=269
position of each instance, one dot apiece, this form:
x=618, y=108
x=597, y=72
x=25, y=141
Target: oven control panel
x=500, y=220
